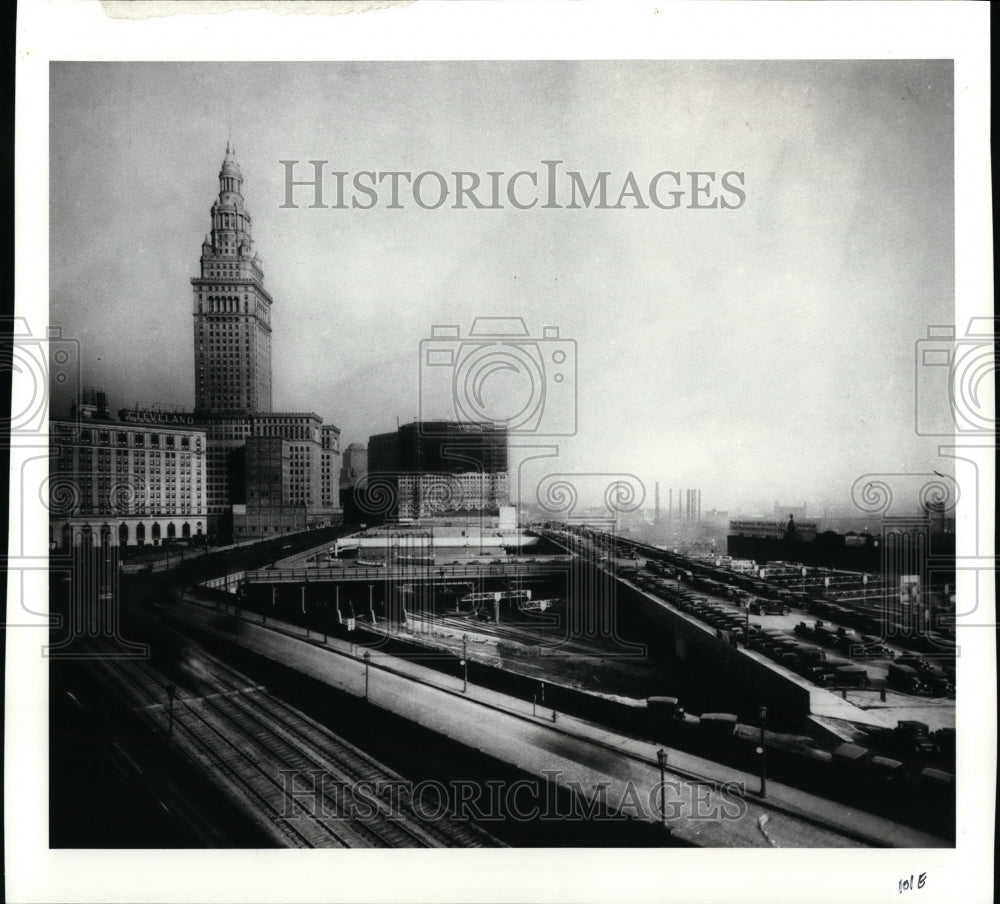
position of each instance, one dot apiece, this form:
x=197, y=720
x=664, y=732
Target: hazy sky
x=761, y=353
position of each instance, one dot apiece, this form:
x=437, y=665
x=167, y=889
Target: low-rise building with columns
x=145, y=484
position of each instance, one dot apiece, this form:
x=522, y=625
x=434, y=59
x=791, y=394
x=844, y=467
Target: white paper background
x=81, y=30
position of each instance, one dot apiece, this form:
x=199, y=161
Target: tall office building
x=329, y=460
x=305, y=454
x=355, y=464
x=216, y=470
x=232, y=309
x=232, y=344
x=449, y=447
x=436, y=467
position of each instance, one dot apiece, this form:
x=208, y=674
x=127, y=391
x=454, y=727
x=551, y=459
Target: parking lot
x=831, y=655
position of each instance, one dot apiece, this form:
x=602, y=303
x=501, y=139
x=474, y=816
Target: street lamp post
x=465, y=663
x=661, y=757
x=171, y=693
x=763, y=753
x=368, y=657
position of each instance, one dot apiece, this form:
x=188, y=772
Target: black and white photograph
x=562, y=460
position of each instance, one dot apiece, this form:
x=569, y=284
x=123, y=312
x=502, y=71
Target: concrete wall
x=696, y=643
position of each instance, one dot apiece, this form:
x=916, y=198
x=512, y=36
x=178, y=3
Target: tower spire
x=231, y=306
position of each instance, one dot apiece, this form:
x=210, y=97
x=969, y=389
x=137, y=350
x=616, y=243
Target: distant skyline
x=760, y=353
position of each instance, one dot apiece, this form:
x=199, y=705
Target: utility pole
x=661, y=757
x=763, y=753
x=368, y=657
x=465, y=663
x=171, y=693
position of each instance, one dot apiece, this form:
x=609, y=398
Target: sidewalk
x=578, y=750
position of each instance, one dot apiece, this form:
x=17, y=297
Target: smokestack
x=657, y=501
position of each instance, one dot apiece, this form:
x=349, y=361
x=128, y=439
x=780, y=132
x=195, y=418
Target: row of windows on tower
x=230, y=305
x=235, y=220
x=231, y=332
x=224, y=335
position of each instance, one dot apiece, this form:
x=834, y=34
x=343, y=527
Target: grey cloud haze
x=760, y=353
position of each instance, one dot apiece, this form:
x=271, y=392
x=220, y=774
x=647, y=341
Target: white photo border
x=83, y=30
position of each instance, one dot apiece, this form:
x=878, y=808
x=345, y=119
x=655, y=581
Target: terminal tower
x=232, y=309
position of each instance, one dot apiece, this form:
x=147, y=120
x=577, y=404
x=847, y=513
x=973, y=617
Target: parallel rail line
x=251, y=741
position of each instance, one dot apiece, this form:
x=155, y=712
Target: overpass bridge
x=409, y=573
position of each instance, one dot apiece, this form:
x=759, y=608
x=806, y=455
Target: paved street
x=577, y=750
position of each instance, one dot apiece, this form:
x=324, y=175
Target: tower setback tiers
x=232, y=310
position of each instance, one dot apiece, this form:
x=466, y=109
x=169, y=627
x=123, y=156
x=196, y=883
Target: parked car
x=903, y=678
x=719, y=724
x=851, y=757
x=851, y=676
x=944, y=740
x=760, y=606
x=913, y=738
x=847, y=640
x=920, y=665
x=872, y=646
x=812, y=654
x=815, y=672
x=934, y=676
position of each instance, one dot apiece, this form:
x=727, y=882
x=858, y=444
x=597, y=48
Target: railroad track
x=350, y=765
x=553, y=637
x=260, y=789
x=256, y=745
